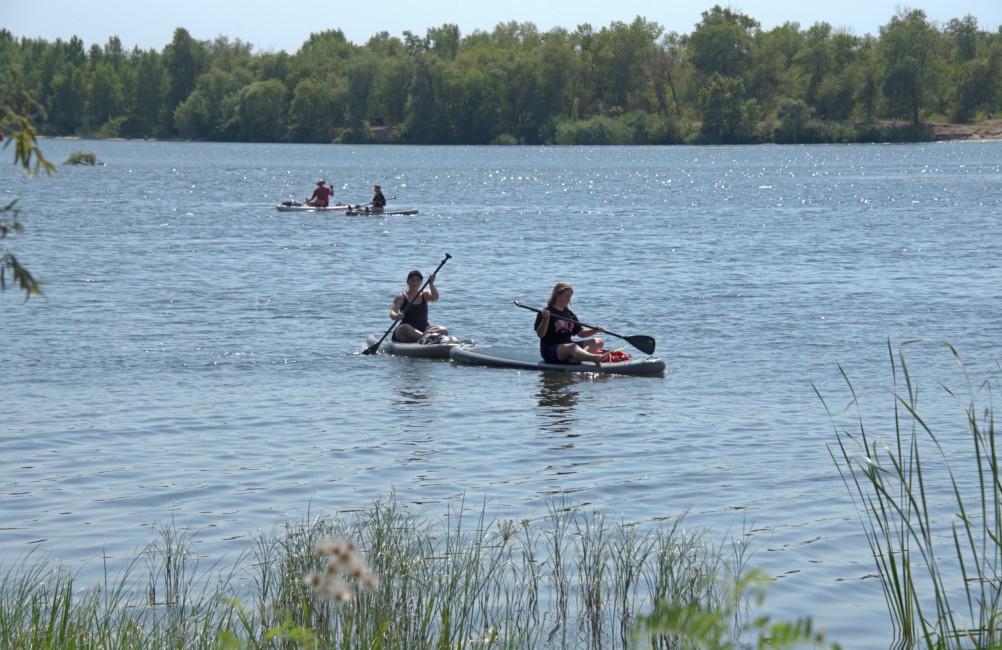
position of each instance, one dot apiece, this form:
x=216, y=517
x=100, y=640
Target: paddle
x=375, y=346
x=643, y=343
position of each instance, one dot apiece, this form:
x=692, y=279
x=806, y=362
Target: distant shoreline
x=988, y=130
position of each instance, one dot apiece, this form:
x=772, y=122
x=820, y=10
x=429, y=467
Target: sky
x=288, y=24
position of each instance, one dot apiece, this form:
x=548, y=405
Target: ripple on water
x=198, y=361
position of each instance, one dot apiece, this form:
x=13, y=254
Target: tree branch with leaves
x=18, y=111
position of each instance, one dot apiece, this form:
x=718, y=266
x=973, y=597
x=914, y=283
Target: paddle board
x=520, y=359
x=380, y=213
x=415, y=350
x=299, y=207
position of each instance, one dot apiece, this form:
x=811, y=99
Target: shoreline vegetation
x=728, y=81
x=987, y=130
x=390, y=577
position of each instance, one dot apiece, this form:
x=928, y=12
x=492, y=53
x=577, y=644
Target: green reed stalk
x=385, y=578
x=927, y=586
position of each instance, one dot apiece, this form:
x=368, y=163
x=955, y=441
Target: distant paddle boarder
x=378, y=200
x=321, y=195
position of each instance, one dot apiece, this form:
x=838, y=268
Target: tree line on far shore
x=729, y=81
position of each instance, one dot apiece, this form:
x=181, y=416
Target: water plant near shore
x=935, y=534
x=82, y=158
x=391, y=578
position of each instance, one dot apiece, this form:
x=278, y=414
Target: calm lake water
x=196, y=357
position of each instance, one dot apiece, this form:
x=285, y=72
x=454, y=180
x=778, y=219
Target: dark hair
x=413, y=273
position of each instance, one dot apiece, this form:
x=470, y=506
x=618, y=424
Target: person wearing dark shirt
x=411, y=309
x=556, y=328
x=378, y=200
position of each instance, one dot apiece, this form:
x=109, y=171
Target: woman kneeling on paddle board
x=555, y=331
x=411, y=309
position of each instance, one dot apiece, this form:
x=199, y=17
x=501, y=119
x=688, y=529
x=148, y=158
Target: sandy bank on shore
x=990, y=129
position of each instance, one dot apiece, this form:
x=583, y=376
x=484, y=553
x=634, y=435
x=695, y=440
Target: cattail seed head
x=341, y=594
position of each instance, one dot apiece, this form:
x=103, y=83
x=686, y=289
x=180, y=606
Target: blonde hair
x=560, y=286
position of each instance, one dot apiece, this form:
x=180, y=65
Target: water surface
x=196, y=358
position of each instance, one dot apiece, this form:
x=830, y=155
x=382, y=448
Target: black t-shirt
x=559, y=330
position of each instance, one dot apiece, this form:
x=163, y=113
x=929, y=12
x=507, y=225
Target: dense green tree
x=193, y=119
x=556, y=66
x=815, y=58
x=908, y=48
x=729, y=116
x=722, y=43
x=66, y=100
x=963, y=37
x=793, y=115
x=324, y=56
x=362, y=78
x=184, y=60
x=273, y=65
x=389, y=101
x=975, y=83
x=262, y=111
x=618, y=58
x=773, y=74
x=210, y=111
x=867, y=71
x=444, y=41
x=104, y=99
x=428, y=107
x=150, y=88
x=508, y=85
x=315, y=111
x=662, y=66
x=517, y=84
x=385, y=46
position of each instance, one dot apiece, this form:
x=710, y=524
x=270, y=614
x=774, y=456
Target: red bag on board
x=614, y=355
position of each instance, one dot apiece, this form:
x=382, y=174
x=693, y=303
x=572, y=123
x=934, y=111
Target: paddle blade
x=372, y=349
x=645, y=344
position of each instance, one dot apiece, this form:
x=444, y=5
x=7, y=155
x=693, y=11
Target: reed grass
x=388, y=577
x=935, y=535
x=82, y=158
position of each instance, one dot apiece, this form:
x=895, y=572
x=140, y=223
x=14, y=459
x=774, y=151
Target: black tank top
x=416, y=316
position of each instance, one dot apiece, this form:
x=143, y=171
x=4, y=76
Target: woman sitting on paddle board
x=555, y=332
x=411, y=309
x=321, y=195
x=378, y=200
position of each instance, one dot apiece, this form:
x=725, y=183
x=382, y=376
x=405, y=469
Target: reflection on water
x=411, y=386
x=411, y=401
x=411, y=397
x=558, y=398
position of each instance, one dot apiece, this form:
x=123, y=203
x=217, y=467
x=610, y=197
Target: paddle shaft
x=641, y=342
x=375, y=346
